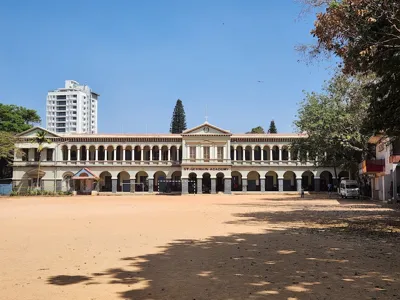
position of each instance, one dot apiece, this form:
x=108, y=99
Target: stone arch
x=67, y=183
x=275, y=153
x=239, y=153
x=105, y=181
x=92, y=153
x=155, y=152
x=325, y=178
x=236, y=181
x=101, y=153
x=232, y=152
x=159, y=176
x=174, y=153
x=220, y=182
x=123, y=182
x=285, y=152
x=266, y=152
x=307, y=181
x=128, y=153
x=164, y=153
x=137, y=153
x=289, y=181
x=83, y=153
x=110, y=153
x=257, y=153
x=253, y=181
x=193, y=188
x=119, y=152
x=248, y=153
x=206, y=183
x=146, y=153
x=64, y=150
x=74, y=152
x=142, y=179
x=271, y=181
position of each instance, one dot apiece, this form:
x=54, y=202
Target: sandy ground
x=197, y=247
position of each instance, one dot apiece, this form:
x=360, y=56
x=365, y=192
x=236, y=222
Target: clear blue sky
x=141, y=56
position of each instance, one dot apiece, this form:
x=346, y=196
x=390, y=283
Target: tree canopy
x=332, y=121
x=272, y=127
x=257, y=129
x=178, y=121
x=365, y=35
x=17, y=119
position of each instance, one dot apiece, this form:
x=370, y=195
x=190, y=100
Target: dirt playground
x=215, y=247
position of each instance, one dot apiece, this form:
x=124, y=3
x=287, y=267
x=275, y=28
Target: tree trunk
x=38, y=179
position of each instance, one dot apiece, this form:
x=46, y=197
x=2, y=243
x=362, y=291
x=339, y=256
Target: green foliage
x=17, y=119
x=332, y=121
x=7, y=145
x=272, y=127
x=178, y=122
x=258, y=130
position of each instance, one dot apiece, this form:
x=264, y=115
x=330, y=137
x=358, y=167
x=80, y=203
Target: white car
x=349, y=188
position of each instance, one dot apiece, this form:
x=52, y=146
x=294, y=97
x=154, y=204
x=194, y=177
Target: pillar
x=115, y=154
x=78, y=154
x=177, y=154
x=227, y=186
x=87, y=154
x=299, y=183
x=141, y=154
x=69, y=154
x=97, y=186
x=244, y=154
x=213, y=185
x=169, y=154
x=280, y=184
x=114, y=185
x=159, y=153
x=151, y=154
x=317, y=186
x=262, y=154
x=132, y=182
x=335, y=182
x=280, y=153
x=123, y=154
x=96, y=158
x=289, y=155
x=199, y=186
x=252, y=154
x=151, y=185
x=244, y=184
x=185, y=186
x=58, y=185
x=262, y=184
x=271, y=156
x=234, y=154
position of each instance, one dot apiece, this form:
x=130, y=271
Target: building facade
x=204, y=159
x=72, y=109
x=383, y=169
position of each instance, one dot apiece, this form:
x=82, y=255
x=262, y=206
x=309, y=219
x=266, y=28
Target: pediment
x=206, y=129
x=84, y=173
x=31, y=133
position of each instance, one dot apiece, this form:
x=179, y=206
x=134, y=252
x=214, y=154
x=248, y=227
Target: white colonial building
x=204, y=159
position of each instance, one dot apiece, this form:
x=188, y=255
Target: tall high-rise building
x=72, y=109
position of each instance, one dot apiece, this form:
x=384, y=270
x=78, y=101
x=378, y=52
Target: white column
x=96, y=158
x=271, y=153
x=123, y=154
x=141, y=153
x=151, y=154
x=234, y=153
x=159, y=153
x=308, y=153
x=78, y=154
x=280, y=153
x=289, y=155
x=115, y=154
x=252, y=153
x=69, y=154
x=87, y=154
x=169, y=154
x=244, y=153
x=262, y=153
x=177, y=154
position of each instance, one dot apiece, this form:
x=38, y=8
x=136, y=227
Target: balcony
x=394, y=158
x=372, y=166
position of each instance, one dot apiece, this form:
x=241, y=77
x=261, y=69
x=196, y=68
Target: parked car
x=349, y=188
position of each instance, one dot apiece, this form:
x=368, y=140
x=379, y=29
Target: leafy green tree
x=178, y=122
x=17, y=119
x=332, y=121
x=272, y=127
x=40, y=139
x=7, y=145
x=365, y=35
x=257, y=129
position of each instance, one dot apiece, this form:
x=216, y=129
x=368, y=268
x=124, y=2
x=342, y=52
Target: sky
x=141, y=56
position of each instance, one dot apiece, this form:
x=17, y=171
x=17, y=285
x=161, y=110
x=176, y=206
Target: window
x=49, y=156
x=192, y=153
x=62, y=97
x=74, y=112
x=61, y=108
x=37, y=155
x=60, y=124
x=61, y=119
x=220, y=153
x=74, y=107
x=61, y=102
x=60, y=130
x=74, y=96
x=61, y=114
x=73, y=118
x=74, y=129
x=206, y=153
x=74, y=101
x=25, y=154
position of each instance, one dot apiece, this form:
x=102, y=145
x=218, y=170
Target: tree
x=272, y=127
x=365, y=35
x=178, y=122
x=17, y=119
x=41, y=140
x=332, y=121
x=7, y=145
x=258, y=130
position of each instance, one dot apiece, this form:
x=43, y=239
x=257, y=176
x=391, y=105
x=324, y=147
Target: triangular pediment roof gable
x=31, y=133
x=206, y=128
x=85, y=171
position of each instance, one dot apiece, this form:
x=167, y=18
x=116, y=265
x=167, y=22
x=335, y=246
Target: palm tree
x=40, y=139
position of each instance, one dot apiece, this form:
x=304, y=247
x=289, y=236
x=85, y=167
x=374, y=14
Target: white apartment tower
x=72, y=109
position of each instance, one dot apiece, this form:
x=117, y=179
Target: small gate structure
x=5, y=187
x=175, y=186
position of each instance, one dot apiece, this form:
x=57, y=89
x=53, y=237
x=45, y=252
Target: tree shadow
x=67, y=280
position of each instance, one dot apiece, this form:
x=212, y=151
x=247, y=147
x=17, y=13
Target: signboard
x=205, y=169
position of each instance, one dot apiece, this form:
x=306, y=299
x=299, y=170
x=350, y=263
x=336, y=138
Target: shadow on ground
x=286, y=263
